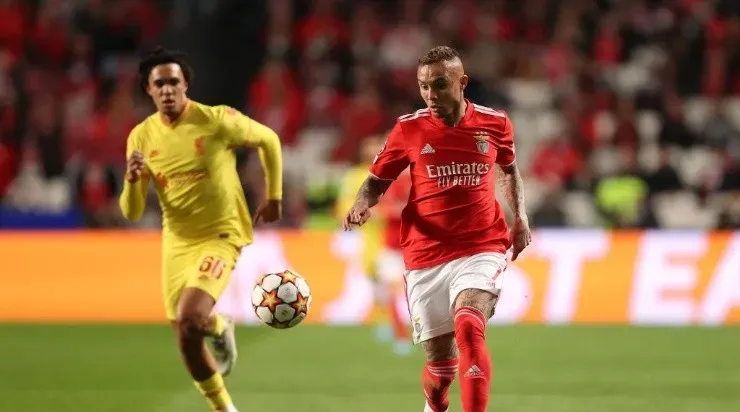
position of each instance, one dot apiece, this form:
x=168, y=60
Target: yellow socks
x=217, y=328
x=215, y=392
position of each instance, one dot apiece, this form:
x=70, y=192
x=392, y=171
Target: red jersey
x=452, y=209
x=393, y=202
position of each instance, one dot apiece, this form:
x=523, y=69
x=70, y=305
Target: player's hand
x=134, y=166
x=357, y=215
x=269, y=212
x=521, y=236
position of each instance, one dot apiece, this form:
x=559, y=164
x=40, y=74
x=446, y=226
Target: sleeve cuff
x=380, y=178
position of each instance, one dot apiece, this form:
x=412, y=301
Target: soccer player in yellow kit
x=186, y=149
x=372, y=235
x=373, y=242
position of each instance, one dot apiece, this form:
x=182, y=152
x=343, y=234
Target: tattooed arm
x=513, y=191
x=372, y=190
x=368, y=195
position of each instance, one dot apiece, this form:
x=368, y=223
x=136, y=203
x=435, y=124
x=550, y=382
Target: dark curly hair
x=158, y=56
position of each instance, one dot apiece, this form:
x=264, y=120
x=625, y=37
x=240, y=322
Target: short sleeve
x=506, y=154
x=392, y=158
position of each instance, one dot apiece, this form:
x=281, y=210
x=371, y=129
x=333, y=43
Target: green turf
x=537, y=369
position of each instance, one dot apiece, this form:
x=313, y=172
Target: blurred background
x=626, y=116
x=627, y=113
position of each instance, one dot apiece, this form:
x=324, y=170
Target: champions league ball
x=281, y=300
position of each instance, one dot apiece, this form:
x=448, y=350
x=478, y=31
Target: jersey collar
x=165, y=121
x=469, y=110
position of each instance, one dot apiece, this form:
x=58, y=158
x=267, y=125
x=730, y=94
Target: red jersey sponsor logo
x=458, y=174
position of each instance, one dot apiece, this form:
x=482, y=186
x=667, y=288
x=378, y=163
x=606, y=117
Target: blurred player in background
x=186, y=149
x=455, y=239
x=377, y=260
x=390, y=267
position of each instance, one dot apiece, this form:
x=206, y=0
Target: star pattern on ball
x=271, y=300
x=289, y=277
x=300, y=305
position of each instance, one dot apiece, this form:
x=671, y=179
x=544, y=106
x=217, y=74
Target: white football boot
x=230, y=408
x=224, y=348
x=428, y=408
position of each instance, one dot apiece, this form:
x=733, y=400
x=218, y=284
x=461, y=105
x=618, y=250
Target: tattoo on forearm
x=513, y=189
x=372, y=189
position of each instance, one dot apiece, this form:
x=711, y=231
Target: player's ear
x=464, y=81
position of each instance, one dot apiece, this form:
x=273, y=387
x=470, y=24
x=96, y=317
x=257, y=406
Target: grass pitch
x=327, y=369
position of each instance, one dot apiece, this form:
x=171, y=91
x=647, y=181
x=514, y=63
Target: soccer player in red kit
x=455, y=240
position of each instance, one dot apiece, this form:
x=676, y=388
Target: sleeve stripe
x=488, y=110
x=417, y=114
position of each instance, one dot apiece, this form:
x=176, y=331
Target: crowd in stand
x=627, y=113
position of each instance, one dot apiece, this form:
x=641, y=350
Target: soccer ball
x=281, y=300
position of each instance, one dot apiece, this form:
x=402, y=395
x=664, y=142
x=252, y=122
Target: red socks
x=474, y=365
x=475, y=362
x=437, y=378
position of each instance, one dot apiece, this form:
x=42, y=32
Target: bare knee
x=481, y=300
x=193, y=312
x=191, y=325
x=440, y=348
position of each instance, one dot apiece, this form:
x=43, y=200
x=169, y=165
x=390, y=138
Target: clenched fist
x=357, y=215
x=521, y=237
x=135, y=166
x=269, y=212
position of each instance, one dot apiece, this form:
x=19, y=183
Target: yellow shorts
x=206, y=266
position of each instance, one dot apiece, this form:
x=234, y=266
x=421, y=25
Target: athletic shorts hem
x=455, y=292
x=433, y=333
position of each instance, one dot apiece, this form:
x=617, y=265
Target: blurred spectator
x=557, y=161
x=625, y=133
x=278, y=31
x=402, y=44
x=719, y=132
x=550, y=214
x=634, y=99
x=96, y=190
x=622, y=198
x=276, y=99
x=665, y=178
x=14, y=17
x=366, y=31
x=674, y=130
x=321, y=31
x=729, y=218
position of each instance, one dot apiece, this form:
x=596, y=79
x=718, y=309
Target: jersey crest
x=199, y=145
x=482, y=142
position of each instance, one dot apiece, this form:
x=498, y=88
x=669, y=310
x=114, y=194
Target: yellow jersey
x=193, y=167
x=372, y=231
